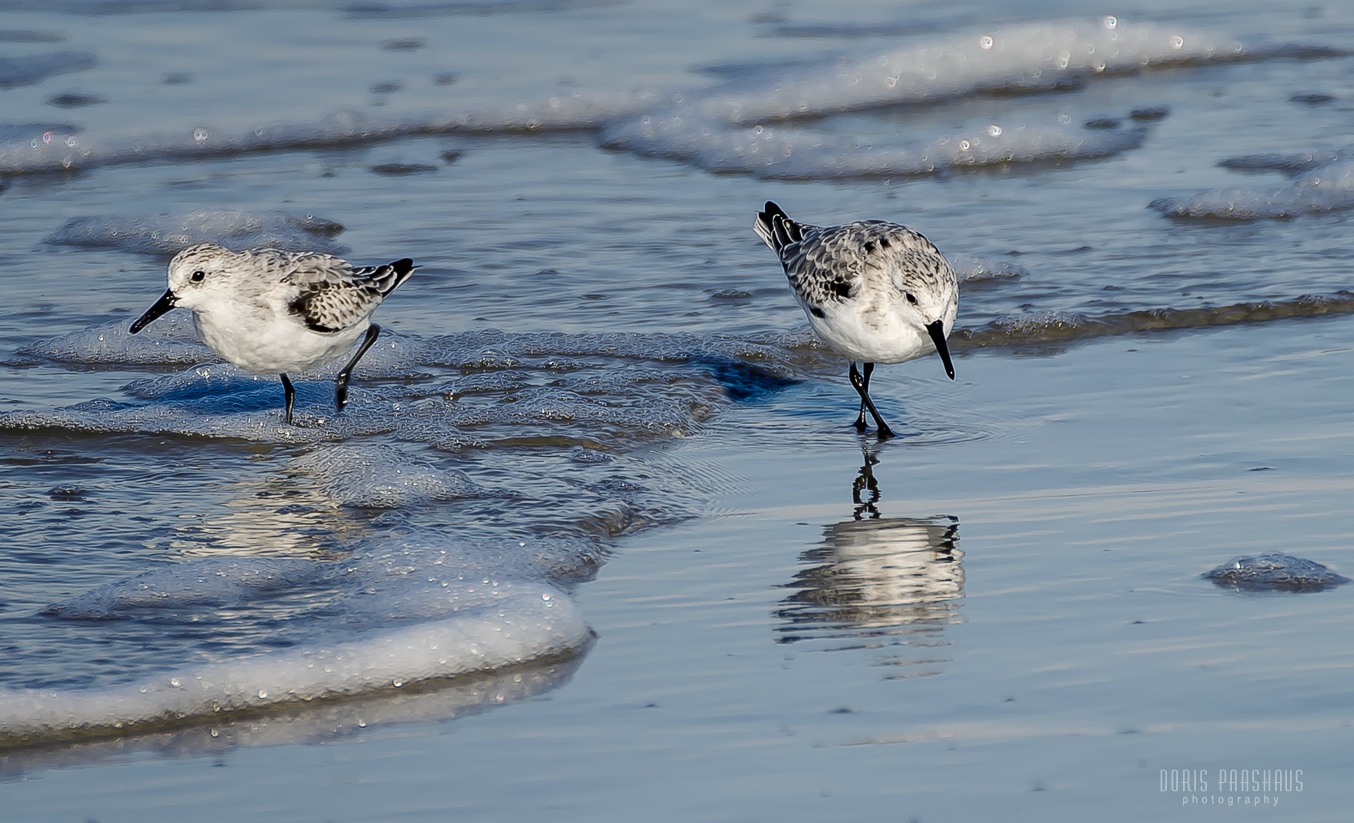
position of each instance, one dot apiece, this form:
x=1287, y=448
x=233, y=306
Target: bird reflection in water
x=888, y=585
x=866, y=486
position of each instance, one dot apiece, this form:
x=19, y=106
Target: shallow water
x=597, y=469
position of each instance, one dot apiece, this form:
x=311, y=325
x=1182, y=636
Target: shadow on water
x=877, y=583
x=743, y=382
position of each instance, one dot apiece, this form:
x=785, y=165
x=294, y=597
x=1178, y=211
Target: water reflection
x=866, y=486
x=268, y=516
x=889, y=585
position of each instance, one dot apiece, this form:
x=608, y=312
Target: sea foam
x=167, y=234
x=737, y=125
x=396, y=612
x=521, y=621
x=381, y=476
x=1022, y=58
x=796, y=153
x=553, y=386
x=1275, y=571
x=1323, y=188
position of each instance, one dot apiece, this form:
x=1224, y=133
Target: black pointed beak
x=937, y=332
x=166, y=302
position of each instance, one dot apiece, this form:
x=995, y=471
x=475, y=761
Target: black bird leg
x=862, y=385
x=856, y=381
x=860, y=419
x=291, y=395
x=341, y=389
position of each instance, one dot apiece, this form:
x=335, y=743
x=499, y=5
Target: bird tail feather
x=776, y=228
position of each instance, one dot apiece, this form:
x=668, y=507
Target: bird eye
x=911, y=298
x=197, y=276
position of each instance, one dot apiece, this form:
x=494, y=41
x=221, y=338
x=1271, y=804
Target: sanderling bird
x=273, y=312
x=874, y=291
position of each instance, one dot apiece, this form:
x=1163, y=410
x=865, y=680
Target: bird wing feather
x=333, y=295
x=828, y=266
x=823, y=268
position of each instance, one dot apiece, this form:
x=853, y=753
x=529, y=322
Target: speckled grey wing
x=823, y=268
x=797, y=245
x=830, y=265
x=333, y=297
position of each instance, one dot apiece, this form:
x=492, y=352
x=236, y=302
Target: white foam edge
x=207, y=582
x=982, y=268
x=377, y=475
x=169, y=233
x=362, y=416
x=173, y=340
x=775, y=152
x=1026, y=57
x=62, y=153
x=1326, y=188
x=530, y=621
x=307, y=724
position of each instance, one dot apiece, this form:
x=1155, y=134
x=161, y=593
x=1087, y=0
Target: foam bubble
x=306, y=723
x=714, y=129
x=1274, y=571
x=170, y=233
x=393, y=613
x=509, y=622
x=1019, y=58
x=794, y=153
x=212, y=582
x=599, y=391
x=566, y=111
x=487, y=382
x=1323, y=189
x=254, y=418
x=174, y=342
x=202, y=380
x=1013, y=59
x=72, y=153
x=978, y=269
x=557, y=389
x=570, y=109
x=381, y=476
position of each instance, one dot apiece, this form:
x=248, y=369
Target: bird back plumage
x=334, y=296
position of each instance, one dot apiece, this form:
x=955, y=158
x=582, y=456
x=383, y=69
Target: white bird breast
x=280, y=345
x=870, y=335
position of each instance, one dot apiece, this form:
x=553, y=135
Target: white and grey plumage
x=874, y=291
x=273, y=312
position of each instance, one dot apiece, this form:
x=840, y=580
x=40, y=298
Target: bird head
x=932, y=305
x=194, y=274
